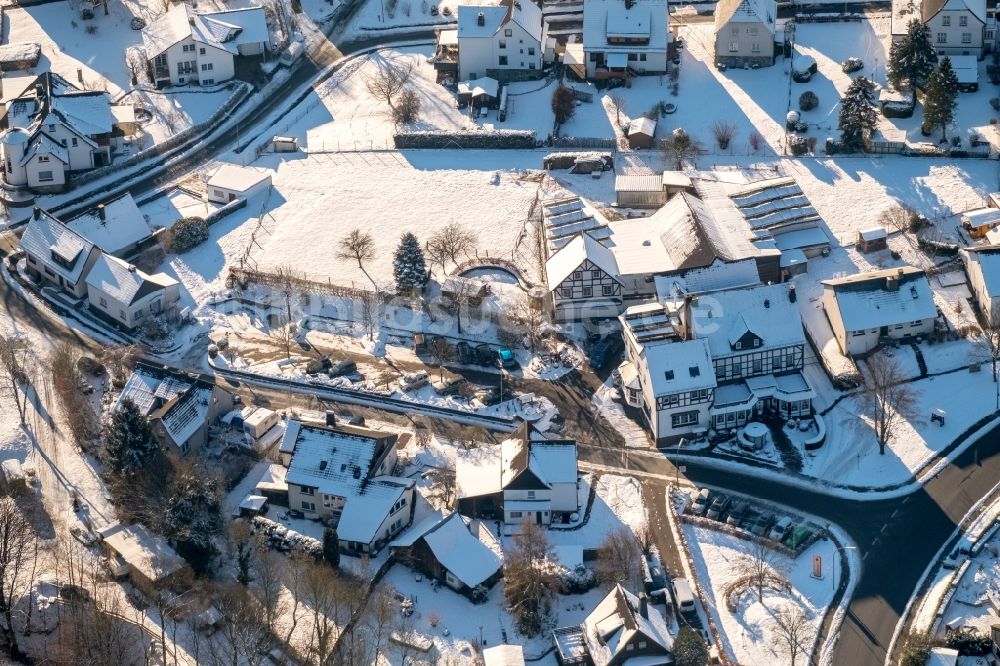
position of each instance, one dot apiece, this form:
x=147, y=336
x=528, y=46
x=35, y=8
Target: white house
x=745, y=32
x=957, y=27
x=56, y=130
x=118, y=226
x=623, y=37
x=57, y=255
x=982, y=265
x=525, y=478
x=583, y=281
x=341, y=476
x=505, y=42
x=125, y=295
x=893, y=303
x=233, y=182
x=715, y=360
x=184, y=46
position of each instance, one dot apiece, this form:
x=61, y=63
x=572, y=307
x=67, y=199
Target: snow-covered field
x=749, y=635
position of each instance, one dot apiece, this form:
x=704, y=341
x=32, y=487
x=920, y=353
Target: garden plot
x=69, y=46
x=748, y=633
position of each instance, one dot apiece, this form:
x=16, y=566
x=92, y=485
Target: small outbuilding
x=675, y=182
x=640, y=191
x=484, y=91
x=285, y=144
x=872, y=239
x=503, y=655
x=253, y=505
x=966, y=71
x=980, y=221
x=232, y=182
x=641, y=133
x=19, y=56
x=147, y=559
x=14, y=479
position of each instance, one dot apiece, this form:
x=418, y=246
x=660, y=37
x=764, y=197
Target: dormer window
x=756, y=342
x=694, y=370
x=669, y=374
x=739, y=345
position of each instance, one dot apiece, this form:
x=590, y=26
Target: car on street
x=448, y=385
x=759, y=526
x=466, y=355
x=505, y=359
x=413, y=380
x=780, y=529
x=485, y=354
x=700, y=501
x=737, y=511
x=718, y=506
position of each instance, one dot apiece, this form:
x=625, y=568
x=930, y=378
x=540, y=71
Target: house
x=715, y=360
x=872, y=239
x=118, y=226
x=641, y=133
x=745, y=33
x=56, y=255
x=957, y=27
x=625, y=37
x=982, y=265
x=340, y=476
x=19, y=55
x=980, y=221
x=148, y=560
x=622, y=629
x=640, y=191
x=121, y=293
x=180, y=408
x=479, y=93
x=445, y=549
x=505, y=42
x=232, y=182
x=525, y=478
x=56, y=130
x=503, y=655
x=865, y=308
x=583, y=281
x=184, y=46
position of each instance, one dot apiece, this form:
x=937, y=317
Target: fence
x=226, y=210
x=574, y=142
x=482, y=139
x=282, y=281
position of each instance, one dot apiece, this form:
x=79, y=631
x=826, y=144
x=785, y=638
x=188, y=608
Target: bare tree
x=886, y=398
x=443, y=486
x=14, y=371
x=987, y=342
x=267, y=586
x=120, y=361
x=723, y=131
x=357, y=245
x=408, y=108
x=530, y=585
x=441, y=352
x=422, y=434
x=532, y=319
x=388, y=80
x=284, y=336
x=617, y=104
x=244, y=634
x=324, y=596
x=900, y=217
x=619, y=559
x=18, y=561
x=287, y=282
x=298, y=564
x=370, y=312
x=756, y=141
x=680, y=147
x=760, y=564
x=791, y=629
x=451, y=241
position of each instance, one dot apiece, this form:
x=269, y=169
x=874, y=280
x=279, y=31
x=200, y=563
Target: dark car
x=718, y=506
x=761, y=525
x=737, y=511
x=603, y=352
x=341, y=368
x=505, y=358
x=484, y=354
x=466, y=355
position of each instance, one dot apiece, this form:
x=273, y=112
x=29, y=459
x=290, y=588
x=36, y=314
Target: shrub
x=956, y=141
x=969, y=643
x=993, y=71
x=155, y=328
x=808, y=101
x=187, y=233
x=723, y=131
x=87, y=14
x=803, y=67
x=995, y=103
x=407, y=108
x=563, y=104
x=916, y=650
x=852, y=65
x=798, y=145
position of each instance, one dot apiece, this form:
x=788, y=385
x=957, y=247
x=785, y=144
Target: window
x=683, y=419
x=756, y=342
x=201, y=51
x=916, y=323
x=531, y=65
x=104, y=302
x=734, y=47
x=503, y=60
x=966, y=37
x=946, y=21
x=515, y=514
x=755, y=47
x=752, y=30
x=63, y=142
x=595, y=274
x=307, y=490
x=74, y=142
x=43, y=158
x=122, y=315
x=858, y=334
x=503, y=43
x=736, y=30
x=633, y=57
x=138, y=315
x=963, y=21
x=566, y=292
x=739, y=345
x=531, y=494
x=606, y=290
x=757, y=366
x=308, y=506
x=642, y=645
x=52, y=128
x=208, y=82
x=588, y=292
x=531, y=50
x=942, y=38
x=45, y=176
x=577, y=275
x=508, y=32
x=629, y=647
x=207, y=67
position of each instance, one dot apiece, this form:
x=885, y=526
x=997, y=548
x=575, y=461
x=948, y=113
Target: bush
x=916, y=650
x=407, y=108
x=798, y=145
x=969, y=643
x=563, y=104
x=993, y=71
x=995, y=103
x=852, y=65
x=808, y=101
x=87, y=14
x=187, y=233
x=834, y=146
x=803, y=67
x=155, y=328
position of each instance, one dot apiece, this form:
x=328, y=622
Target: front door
x=232, y=197
x=538, y=517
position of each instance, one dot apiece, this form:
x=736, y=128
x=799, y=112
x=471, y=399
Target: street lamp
x=836, y=548
x=677, y=468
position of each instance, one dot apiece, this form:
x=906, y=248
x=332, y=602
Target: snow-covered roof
x=746, y=11
x=942, y=656
x=148, y=554
x=723, y=317
x=477, y=472
x=679, y=367
x=484, y=85
x=46, y=237
x=114, y=226
x=237, y=178
x=642, y=125
x=524, y=13
x=930, y=8
x=883, y=298
x=503, y=655
x=220, y=30
x=87, y=111
x=987, y=258
x=366, y=508
x=43, y=144
x=582, y=248
x=564, y=218
x=180, y=403
x=454, y=547
x=123, y=282
x=981, y=217
x=676, y=179
x=19, y=52
x=675, y=232
x=448, y=36
x=616, y=620
x=273, y=479
x=872, y=233
x=714, y=277
x=487, y=470
x=184, y=418
x=553, y=462
x=966, y=68
x=610, y=18
x=638, y=183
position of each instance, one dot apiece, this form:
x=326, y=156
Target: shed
x=504, y=655
x=484, y=91
x=233, y=182
x=980, y=221
x=19, y=55
x=886, y=140
x=285, y=144
x=966, y=71
x=253, y=505
x=148, y=560
x=676, y=181
x=14, y=479
x=641, y=132
x=872, y=239
x=640, y=191
x=993, y=200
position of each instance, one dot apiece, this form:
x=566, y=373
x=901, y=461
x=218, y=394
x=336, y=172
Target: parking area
x=751, y=517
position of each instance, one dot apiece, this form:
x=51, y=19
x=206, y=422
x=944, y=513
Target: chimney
x=481, y=19
x=791, y=293
x=892, y=283
x=331, y=418
x=190, y=20
x=100, y=212
x=767, y=303
x=131, y=268
x=643, y=605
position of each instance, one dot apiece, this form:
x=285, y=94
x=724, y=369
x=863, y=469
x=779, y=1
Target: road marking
x=895, y=512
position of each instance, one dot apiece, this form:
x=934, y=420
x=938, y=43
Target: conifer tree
x=408, y=266
x=129, y=441
x=940, y=98
x=858, y=114
x=912, y=59
x=331, y=547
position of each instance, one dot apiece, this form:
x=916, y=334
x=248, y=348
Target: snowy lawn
x=748, y=633
x=176, y=109
x=67, y=46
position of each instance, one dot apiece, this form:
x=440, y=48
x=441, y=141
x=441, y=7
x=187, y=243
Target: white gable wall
x=214, y=64
x=989, y=305
x=134, y=314
x=954, y=33
x=35, y=168
x=477, y=55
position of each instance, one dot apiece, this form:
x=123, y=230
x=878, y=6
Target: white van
x=683, y=595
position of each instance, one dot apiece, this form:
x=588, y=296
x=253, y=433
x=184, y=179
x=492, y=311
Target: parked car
x=749, y=518
x=700, y=501
x=484, y=354
x=718, y=506
x=759, y=528
x=505, y=359
x=797, y=537
x=603, y=352
x=683, y=595
x=466, y=355
x=448, y=385
x=413, y=380
x=341, y=368
x=737, y=510
x=780, y=529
